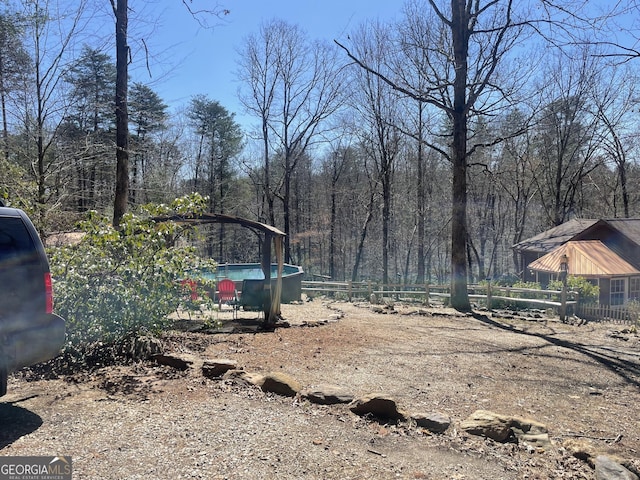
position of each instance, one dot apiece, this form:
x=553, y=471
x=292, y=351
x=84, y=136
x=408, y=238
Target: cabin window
x=617, y=291
x=634, y=288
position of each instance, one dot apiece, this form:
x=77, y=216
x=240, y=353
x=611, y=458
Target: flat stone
x=281, y=384
x=327, y=395
x=502, y=427
x=608, y=469
x=243, y=377
x=540, y=440
x=488, y=424
x=434, y=422
x=175, y=361
x=217, y=368
x=530, y=431
x=378, y=405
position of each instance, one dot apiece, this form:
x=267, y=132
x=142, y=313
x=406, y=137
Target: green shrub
x=527, y=285
x=587, y=292
x=531, y=285
x=117, y=283
x=633, y=307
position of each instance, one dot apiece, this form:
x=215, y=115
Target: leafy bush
x=506, y=280
x=633, y=307
x=528, y=286
x=16, y=188
x=117, y=283
x=508, y=290
x=531, y=285
x=587, y=292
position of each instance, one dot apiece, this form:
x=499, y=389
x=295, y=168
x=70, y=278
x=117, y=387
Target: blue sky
x=196, y=60
x=187, y=59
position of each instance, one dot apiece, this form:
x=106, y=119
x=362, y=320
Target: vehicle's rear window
x=15, y=241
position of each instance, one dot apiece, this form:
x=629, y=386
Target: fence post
x=563, y=300
x=426, y=299
x=349, y=289
x=489, y=294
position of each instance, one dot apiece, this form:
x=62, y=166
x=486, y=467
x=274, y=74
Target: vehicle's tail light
x=48, y=288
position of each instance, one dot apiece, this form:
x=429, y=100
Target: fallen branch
x=376, y=452
x=590, y=437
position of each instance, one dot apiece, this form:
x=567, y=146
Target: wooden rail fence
x=491, y=296
x=486, y=293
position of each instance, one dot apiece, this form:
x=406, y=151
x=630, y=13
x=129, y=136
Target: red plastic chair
x=228, y=294
x=191, y=287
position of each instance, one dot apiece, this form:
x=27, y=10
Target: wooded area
x=417, y=152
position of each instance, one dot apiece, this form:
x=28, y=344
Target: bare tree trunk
x=122, y=123
x=386, y=220
x=41, y=151
x=286, y=206
x=332, y=234
x=267, y=173
x=363, y=236
x=460, y=36
x=420, y=200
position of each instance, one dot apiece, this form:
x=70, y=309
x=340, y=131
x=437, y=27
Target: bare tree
x=52, y=33
x=377, y=107
x=334, y=166
x=294, y=85
x=515, y=178
x=567, y=135
x=614, y=101
x=258, y=71
x=120, y=10
x=463, y=45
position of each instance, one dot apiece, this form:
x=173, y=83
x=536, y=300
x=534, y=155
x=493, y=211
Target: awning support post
x=266, y=286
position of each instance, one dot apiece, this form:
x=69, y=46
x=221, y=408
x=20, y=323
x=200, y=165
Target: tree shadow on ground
x=16, y=422
x=628, y=370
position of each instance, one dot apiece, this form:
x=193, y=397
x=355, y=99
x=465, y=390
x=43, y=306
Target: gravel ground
x=149, y=421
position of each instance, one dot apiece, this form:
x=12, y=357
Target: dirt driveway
x=149, y=421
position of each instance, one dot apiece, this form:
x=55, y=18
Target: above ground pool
x=248, y=276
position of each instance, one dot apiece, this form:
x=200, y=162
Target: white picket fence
x=607, y=313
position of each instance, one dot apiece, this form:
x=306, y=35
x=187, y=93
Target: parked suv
x=29, y=330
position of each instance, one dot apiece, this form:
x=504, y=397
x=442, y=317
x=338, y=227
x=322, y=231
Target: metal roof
x=629, y=227
x=220, y=218
x=551, y=239
x=586, y=258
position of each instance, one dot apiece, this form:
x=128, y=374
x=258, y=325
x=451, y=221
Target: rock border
x=382, y=408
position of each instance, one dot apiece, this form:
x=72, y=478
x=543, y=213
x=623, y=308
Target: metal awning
x=271, y=234
x=586, y=258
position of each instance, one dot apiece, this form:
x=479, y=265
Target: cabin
x=605, y=252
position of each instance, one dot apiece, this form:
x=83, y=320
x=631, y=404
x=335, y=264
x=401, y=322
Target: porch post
x=564, y=271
